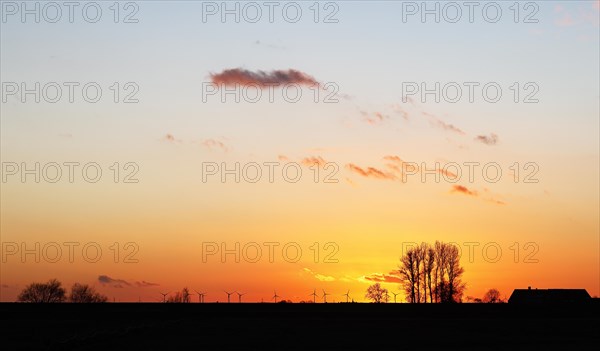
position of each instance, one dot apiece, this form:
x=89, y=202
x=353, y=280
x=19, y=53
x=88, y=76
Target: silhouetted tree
x=409, y=270
x=434, y=271
x=185, y=295
x=376, y=293
x=419, y=258
x=428, y=265
x=182, y=296
x=492, y=296
x=52, y=291
x=454, y=288
x=440, y=269
x=83, y=293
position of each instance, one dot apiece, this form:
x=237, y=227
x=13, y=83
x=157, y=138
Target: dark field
x=333, y=326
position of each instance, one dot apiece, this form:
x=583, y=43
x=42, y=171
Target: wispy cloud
x=398, y=109
x=463, y=190
x=374, y=118
x=447, y=173
x=583, y=14
x=169, y=138
x=312, y=160
x=485, y=196
x=145, y=284
x=212, y=144
x=319, y=277
x=393, y=158
x=491, y=197
x=438, y=123
x=121, y=283
x=449, y=127
x=115, y=283
x=370, y=172
x=400, y=167
x=240, y=76
x=487, y=140
x=391, y=277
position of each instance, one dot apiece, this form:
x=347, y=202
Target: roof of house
x=549, y=296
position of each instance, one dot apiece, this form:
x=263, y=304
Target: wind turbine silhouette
x=229, y=295
x=395, y=294
x=325, y=296
x=347, y=296
x=314, y=295
x=200, y=296
x=240, y=296
x=275, y=296
x=165, y=296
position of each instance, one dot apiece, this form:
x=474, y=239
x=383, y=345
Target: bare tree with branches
x=52, y=291
x=432, y=271
x=409, y=271
x=182, y=296
x=376, y=293
x=492, y=296
x=83, y=293
x=429, y=265
x=455, y=287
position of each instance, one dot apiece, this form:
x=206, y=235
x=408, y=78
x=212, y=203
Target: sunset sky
x=366, y=134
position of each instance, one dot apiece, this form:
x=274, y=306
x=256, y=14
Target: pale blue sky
x=170, y=52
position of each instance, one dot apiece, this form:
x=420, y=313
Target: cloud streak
x=311, y=161
x=121, y=283
x=319, y=277
x=401, y=167
x=370, y=172
x=239, y=76
x=391, y=277
x=373, y=118
x=447, y=126
x=115, y=283
x=169, y=138
x=145, y=284
x=463, y=190
x=212, y=144
x=487, y=140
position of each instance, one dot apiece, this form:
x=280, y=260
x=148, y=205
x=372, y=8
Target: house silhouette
x=530, y=296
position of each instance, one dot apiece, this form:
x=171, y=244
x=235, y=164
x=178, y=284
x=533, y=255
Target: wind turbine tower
x=164, y=296
x=325, y=296
x=347, y=296
x=314, y=295
x=240, y=297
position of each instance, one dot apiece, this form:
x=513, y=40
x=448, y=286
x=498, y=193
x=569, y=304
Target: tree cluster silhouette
x=492, y=296
x=52, y=292
x=182, y=296
x=376, y=293
x=432, y=272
